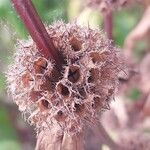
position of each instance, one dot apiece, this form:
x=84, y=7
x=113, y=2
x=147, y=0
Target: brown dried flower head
x=84, y=89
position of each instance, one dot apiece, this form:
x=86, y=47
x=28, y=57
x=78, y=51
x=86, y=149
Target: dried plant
x=85, y=88
x=62, y=80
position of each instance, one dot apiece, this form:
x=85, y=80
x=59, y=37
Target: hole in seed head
x=99, y=57
x=96, y=102
x=82, y=92
x=26, y=78
x=60, y=116
x=44, y=105
x=95, y=57
x=74, y=74
x=79, y=107
x=40, y=65
x=59, y=113
x=94, y=75
x=63, y=90
x=75, y=44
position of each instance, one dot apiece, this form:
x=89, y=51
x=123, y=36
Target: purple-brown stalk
x=35, y=27
x=108, y=24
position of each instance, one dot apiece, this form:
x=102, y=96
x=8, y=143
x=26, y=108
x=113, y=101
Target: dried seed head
x=82, y=92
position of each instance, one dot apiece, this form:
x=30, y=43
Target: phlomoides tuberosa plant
x=62, y=80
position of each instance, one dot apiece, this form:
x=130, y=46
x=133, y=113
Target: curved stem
x=73, y=142
x=102, y=134
x=35, y=27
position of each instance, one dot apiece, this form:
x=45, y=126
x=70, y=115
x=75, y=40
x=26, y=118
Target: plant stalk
x=103, y=136
x=35, y=27
x=108, y=24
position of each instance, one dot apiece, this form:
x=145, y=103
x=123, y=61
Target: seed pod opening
x=93, y=75
x=60, y=116
x=76, y=45
x=74, y=74
x=40, y=65
x=95, y=57
x=26, y=79
x=82, y=92
x=44, y=104
x=99, y=57
x=79, y=108
x=63, y=90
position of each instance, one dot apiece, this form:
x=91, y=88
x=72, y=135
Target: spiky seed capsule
x=83, y=90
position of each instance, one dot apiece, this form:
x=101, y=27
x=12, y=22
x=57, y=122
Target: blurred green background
x=14, y=133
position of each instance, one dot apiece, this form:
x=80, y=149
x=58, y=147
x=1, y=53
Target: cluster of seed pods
x=73, y=96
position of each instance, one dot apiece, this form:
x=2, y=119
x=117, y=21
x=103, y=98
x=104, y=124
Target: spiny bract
x=82, y=91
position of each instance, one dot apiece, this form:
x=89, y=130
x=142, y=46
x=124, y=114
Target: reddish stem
x=108, y=24
x=35, y=27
